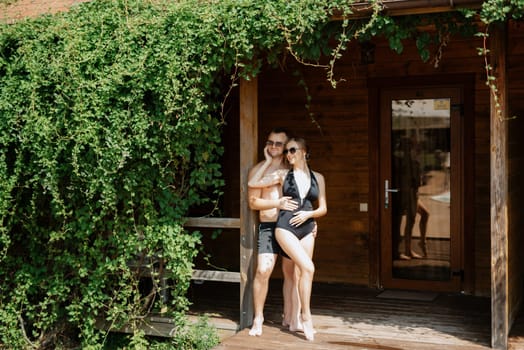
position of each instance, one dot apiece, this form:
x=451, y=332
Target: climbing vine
x=110, y=131
x=493, y=12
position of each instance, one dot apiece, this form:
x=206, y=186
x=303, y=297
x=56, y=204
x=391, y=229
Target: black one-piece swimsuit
x=290, y=189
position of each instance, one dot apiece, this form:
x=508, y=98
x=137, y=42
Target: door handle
x=387, y=190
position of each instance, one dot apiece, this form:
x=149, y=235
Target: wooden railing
x=214, y=275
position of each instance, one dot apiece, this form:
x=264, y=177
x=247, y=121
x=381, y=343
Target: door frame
x=466, y=83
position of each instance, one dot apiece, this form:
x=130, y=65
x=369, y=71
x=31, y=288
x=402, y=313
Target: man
x=268, y=201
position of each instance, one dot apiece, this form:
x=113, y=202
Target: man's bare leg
x=295, y=324
x=290, y=295
x=265, y=265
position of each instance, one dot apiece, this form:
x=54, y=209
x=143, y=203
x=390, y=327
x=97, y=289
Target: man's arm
x=253, y=193
x=256, y=202
x=284, y=203
x=256, y=178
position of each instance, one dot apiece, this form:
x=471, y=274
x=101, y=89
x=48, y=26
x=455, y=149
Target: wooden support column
x=499, y=192
x=248, y=157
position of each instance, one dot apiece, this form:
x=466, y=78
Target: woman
x=294, y=229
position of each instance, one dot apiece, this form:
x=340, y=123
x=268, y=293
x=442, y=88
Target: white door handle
x=387, y=190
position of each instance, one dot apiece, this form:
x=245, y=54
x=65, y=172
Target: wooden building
x=467, y=147
x=467, y=144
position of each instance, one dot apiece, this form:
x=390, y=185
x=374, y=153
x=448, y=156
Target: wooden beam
x=363, y=9
x=163, y=326
x=499, y=192
x=213, y=222
x=213, y=275
x=248, y=157
x=148, y=270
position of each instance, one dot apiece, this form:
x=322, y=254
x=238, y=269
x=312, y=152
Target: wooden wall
x=338, y=136
x=336, y=126
x=459, y=57
x=515, y=73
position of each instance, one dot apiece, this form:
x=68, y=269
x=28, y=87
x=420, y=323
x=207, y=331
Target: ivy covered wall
x=110, y=129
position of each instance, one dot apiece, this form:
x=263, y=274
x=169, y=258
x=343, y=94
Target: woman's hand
x=300, y=217
x=286, y=203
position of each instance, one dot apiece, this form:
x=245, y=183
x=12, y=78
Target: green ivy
x=110, y=131
x=501, y=10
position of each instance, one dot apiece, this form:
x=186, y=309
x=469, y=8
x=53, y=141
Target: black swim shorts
x=267, y=242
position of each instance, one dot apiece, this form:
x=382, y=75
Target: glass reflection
x=421, y=171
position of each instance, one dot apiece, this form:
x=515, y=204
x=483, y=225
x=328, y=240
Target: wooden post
x=248, y=157
x=499, y=193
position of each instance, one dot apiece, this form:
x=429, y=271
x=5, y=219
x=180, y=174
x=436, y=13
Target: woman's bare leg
x=408, y=232
x=423, y=226
x=308, y=243
x=295, y=249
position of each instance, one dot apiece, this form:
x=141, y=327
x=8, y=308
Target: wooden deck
x=348, y=317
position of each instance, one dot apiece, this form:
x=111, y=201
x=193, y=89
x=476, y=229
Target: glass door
x=420, y=170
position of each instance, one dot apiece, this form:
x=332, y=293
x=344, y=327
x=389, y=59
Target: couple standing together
x=283, y=189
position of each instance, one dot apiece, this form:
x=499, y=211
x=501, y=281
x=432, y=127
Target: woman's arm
x=322, y=202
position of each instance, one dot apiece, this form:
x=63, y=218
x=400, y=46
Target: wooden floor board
x=348, y=317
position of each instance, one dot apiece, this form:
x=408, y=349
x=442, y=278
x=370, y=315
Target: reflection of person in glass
x=406, y=178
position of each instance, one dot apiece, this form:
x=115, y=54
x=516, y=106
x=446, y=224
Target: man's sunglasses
x=274, y=143
x=291, y=150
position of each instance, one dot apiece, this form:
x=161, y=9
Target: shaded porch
x=349, y=317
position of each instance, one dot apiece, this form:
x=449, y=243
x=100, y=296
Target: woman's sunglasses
x=291, y=150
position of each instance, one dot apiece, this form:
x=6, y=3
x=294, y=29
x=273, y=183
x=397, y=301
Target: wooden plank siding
x=338, y=132
x=338, y=135
x=515, y=81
